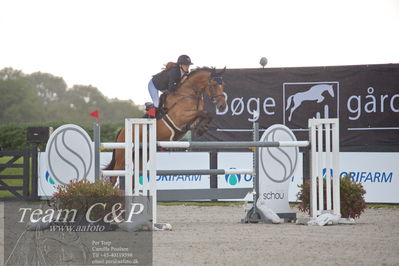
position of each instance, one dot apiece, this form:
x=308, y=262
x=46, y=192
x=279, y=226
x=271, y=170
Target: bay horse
x=184, y=110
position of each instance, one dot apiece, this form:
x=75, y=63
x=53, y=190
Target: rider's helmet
x=184, y=60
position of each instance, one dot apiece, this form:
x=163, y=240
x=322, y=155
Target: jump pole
x=212, y=144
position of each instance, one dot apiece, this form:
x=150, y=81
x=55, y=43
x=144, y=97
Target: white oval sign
x=278, y=163
x=277, y=166
x=69, y=154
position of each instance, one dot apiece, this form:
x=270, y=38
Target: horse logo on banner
x=315, y=93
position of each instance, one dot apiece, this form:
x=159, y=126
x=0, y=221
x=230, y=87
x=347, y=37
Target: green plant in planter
x=81, y=195
x=351, y=197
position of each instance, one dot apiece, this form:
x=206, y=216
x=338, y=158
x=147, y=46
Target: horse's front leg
x=201, y=123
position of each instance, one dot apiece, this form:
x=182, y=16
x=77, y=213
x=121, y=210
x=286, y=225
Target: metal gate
x=17, y=178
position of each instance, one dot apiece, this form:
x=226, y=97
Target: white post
x=320, y=164
x=153, y=167
x=313, y=169
x=336, y=170
x=144, y=159
x=128, y=166
x=128, y=159
x=328, y=166
x=136, y=159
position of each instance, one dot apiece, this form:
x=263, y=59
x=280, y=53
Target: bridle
x=212, y=87
x=199, y=93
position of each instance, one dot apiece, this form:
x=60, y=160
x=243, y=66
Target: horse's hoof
x=200, y=132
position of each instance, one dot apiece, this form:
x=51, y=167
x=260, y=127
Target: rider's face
x=185, y=67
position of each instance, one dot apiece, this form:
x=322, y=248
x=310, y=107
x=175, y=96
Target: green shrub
x=351, y=197
x=13, y=135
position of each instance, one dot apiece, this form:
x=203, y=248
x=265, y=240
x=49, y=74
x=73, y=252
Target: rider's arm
x=173, y=78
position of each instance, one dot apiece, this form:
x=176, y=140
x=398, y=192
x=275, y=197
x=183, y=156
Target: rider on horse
x=169, y=79
x=186, y=110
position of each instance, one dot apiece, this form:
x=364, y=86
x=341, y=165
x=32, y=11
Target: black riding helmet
x=184, y=60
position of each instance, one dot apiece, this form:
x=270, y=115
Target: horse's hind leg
x=203, y=126
x=120, y=164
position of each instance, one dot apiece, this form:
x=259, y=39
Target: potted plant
x=351, y=197
x=94, y=199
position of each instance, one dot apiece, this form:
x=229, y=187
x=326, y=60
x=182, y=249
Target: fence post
x=34, y=172
x=129, y=160
x=26, y=174
x=213, y=163
x=336, y=170
x=313, y=170
x=153, y=168
x=97, y=136
x=255, y=159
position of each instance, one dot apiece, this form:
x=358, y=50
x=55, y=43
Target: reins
x=199, y=93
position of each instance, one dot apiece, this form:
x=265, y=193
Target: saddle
x=161, y=113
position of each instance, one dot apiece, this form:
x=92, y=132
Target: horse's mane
x=200, y=69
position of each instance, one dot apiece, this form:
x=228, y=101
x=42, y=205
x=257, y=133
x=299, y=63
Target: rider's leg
x=153, y=93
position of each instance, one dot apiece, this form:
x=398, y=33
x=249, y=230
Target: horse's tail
x=111, y=164
x=289, y=102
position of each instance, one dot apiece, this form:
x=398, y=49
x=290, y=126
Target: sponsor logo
x=316, y=99
x=178, y=178
x=69, y=154
x=49, y=179
x=278, y=163
x=369, y=177
x=235, y=179
x=273, y=195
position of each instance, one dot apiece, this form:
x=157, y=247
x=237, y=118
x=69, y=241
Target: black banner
x=365, y=99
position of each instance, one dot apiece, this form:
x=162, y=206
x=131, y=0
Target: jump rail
x=186, y=172
x=213, y=144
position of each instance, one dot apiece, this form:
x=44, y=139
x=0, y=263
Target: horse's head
x=215, y=89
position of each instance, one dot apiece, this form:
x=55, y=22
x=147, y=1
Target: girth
x=176, y=132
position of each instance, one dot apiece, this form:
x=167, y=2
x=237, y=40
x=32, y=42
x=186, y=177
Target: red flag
x=94, y=114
